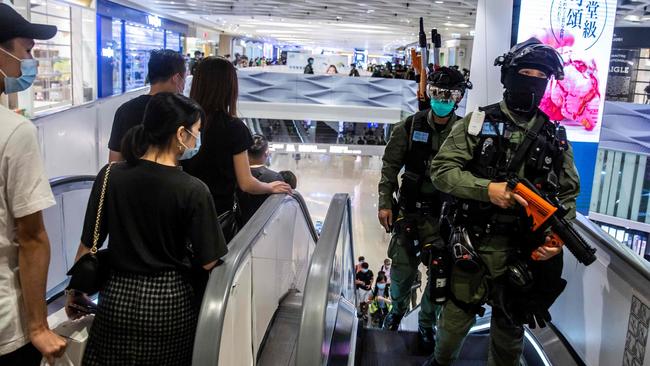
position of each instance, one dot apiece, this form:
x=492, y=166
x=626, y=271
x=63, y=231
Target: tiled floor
x=320, y=176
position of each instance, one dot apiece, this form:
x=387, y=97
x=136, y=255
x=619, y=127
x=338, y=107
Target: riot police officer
x=492, y=241
x=413, y=218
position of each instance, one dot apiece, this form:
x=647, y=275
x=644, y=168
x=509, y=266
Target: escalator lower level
x=279, y=346
x=377, y=347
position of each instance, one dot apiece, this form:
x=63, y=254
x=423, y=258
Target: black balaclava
x=523, y=93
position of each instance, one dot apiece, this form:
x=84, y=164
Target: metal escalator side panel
x=597, y=313
x=330, y=276
x=212, y=316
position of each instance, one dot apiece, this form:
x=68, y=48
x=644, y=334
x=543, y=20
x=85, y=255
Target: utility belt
x=498, y=224
x=481, y=219
x=423, y=207
x=411, y=200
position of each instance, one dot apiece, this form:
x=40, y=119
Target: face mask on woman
x=189, y=153
x=381, y=286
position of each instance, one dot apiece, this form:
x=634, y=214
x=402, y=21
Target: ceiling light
x=633, y=18
x=440, y=2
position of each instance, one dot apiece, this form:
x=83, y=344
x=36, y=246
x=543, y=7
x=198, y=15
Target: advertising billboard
x=581, y=30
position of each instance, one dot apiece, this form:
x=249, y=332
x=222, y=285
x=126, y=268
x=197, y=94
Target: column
x=492, y=39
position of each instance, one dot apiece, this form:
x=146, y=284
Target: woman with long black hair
x=222, y=162
x=152, y=212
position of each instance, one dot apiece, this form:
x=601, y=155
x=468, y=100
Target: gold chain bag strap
x=90, y=272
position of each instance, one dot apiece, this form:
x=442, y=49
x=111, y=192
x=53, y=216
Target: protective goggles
x=437, y=93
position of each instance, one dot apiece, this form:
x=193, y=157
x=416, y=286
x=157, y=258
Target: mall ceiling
x=379, y=25
x=633, y=13
x=375, y=25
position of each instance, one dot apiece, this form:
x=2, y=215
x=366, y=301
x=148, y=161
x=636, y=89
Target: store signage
x=621, y=81
x=325, y=149
x=582, y=31
x=154, y=21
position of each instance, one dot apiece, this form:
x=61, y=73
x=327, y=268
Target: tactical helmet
x=449, y=78
x=532, y=54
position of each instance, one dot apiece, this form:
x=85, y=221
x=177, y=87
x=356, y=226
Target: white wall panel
x=69, y=142
x=75, y=141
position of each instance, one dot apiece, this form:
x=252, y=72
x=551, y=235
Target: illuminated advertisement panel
x=581, y=30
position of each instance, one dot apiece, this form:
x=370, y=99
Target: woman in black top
x=153, y=212
x=222, y=161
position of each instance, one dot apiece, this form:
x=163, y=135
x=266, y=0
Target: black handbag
x=231, y=221
x=91, y=271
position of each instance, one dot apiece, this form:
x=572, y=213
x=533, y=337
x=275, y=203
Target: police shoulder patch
x=492, y=128
x=420, y=136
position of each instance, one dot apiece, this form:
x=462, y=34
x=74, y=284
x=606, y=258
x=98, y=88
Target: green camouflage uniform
x=404, y=265
x=447, y=174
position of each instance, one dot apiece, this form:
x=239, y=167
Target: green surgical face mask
x=442, y=108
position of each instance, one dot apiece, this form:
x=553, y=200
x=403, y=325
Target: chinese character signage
x=581, y=30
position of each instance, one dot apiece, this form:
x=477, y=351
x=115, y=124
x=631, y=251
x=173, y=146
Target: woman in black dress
x=222, y=161
x=152, y=213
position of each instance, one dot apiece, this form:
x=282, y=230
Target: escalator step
x=380, y=347
x=391, y=348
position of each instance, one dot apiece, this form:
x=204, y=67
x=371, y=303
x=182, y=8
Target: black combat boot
x=426, y=336
x=392, y=321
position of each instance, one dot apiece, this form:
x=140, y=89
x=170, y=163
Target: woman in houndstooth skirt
x=151, y=211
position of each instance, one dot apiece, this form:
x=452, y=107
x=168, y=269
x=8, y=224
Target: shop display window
x=642, y=77
x=117, y=56
x=139, y=41
x=173, y=41
x=53, y=85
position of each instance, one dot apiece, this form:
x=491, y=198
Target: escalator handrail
x=295, y=126
x=613, y=246
x=69, y=179
x=209, y=330
x=317, y=288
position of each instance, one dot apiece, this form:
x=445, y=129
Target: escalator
x=251, y=308
x=330, y=333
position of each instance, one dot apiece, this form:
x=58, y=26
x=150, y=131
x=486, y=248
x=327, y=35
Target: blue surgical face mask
x=442, y=108
x=28, y=69
x=381, y=286
x=365, y=270
x=190, y=153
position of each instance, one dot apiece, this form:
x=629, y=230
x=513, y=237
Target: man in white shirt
x=24, y=193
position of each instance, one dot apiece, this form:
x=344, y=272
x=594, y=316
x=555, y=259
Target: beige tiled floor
x=320, y=176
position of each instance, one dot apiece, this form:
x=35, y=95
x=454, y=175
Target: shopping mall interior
x=326, y=82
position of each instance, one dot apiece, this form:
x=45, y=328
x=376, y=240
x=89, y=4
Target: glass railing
x=63, y=223
x=267, y=259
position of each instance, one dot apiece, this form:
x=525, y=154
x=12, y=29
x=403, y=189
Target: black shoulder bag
x=90, y=272
x=231, y=220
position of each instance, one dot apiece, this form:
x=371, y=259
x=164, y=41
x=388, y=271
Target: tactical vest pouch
x=409, y=190
x=408, y=230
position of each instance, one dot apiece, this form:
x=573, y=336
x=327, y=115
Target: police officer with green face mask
x=491, y=242
x=413, y=217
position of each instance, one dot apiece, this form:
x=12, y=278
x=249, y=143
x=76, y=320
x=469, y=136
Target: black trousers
x=27, y=355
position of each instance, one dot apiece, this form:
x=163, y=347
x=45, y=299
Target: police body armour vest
x=420, y=152
x=494, y=153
